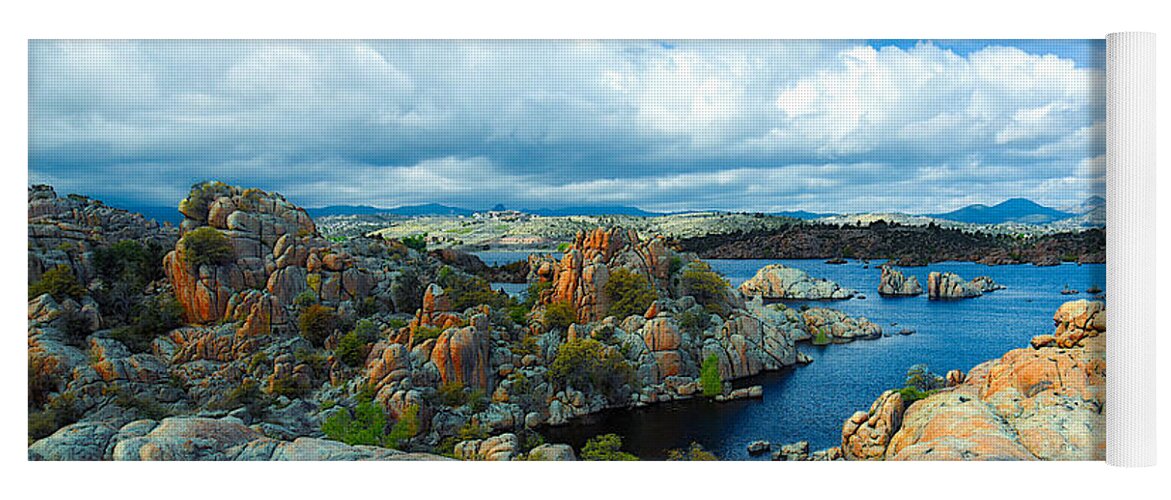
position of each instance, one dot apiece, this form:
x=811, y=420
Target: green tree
x=587, y=364
x=693, y=453
x=58, y=282
x=417, y=242
x=404, y=429
x=151, y=318
x=206, y=245
x=560, y=315
x=709, y=377
x=317, y=322
x=351, y=349
x=607, y=447
x=367, y=425
x=705, y=285
x=630, y=293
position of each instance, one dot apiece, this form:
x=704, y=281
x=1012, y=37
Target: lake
x=810, y=402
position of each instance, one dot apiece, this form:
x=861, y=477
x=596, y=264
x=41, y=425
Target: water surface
x=811, y=402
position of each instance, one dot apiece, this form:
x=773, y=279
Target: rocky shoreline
x=277, y=332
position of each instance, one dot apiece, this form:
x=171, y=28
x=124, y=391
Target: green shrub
x=694, y=322
x=454, y=394
x=368, y=306
x=407, y=291
x=317, y=322
x=351, y=349
x=404, y=429
x=563, y=246
x=75, y=325
x=246, y=395
x=366, y=330
x=288, y=387
x=206, y=245
x=518, y=314
x=559, y=315
x=821, y=338
x=920, y=383
x=587, y=364
x=58, y=282
x=305, y=298
x=533, y=294
x=705, y=285
x=424, y=333
x=416, y=242
x=464, y=291
x=42, y=382
x=129, y=261
x=693, y=453
x=152, y=318
x=709, y=377
x=200, y=198
x=59, y=412
x=607, y=447
x=366, y=426
x=145, y=407
x=630, y=293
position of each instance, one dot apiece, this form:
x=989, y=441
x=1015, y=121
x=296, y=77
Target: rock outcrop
x=946, y=286
x=892, y=283
x=66, y=230
x=778, y=282
x=1045, y=402
x=196, y=438
x=582, y=273
x=838, y=327
x=277, y=254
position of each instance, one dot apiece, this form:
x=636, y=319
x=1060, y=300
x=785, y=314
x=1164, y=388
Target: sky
x=910, y=126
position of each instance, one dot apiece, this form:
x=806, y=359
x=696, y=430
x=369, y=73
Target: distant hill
x=1091, y=204
x=593, y=210
x=1018, y=210
x=344, y=210
x=159, y=214
x=406, y=210
x=801, y=214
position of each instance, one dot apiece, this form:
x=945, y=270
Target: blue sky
x=826, y=126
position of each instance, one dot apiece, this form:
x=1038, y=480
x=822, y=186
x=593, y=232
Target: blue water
x=810, y=402
x=501, y=257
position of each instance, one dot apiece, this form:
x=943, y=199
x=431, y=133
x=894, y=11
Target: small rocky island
x=892, y=283
x=779, y=282
x=946, y=286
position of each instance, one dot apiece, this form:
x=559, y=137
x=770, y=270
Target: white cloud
x=748, y=125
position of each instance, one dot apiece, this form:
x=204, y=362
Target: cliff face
x=1045, y=402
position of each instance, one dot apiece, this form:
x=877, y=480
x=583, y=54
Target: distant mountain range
x=1018, y=210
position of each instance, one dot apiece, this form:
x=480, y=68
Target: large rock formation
x=277, y=254
x=1045, y=403
x=892, y=283
x=775, y=281
x=582, y=273
x=944, y=286
x=66, y=230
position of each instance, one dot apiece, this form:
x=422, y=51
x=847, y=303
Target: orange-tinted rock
x=462, y=354
x=866, y=435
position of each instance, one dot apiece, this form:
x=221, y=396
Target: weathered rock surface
x=1044, y=403
x=892, y=283
x=553, y=453
x=776, y=281
x=839, y=327
x=196, y=438
x=944, y=286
